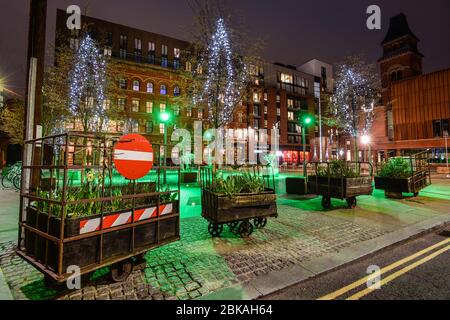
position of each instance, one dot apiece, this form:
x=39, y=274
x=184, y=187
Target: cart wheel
x=326, y=202
x=233, y=226
x=260, y=223
x=121, y=270
x=352, y=202
x=245, y=229
x=215, y=230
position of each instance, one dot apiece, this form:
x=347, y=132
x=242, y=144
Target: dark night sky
x=294, y=31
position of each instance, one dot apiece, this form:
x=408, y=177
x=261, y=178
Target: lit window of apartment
x=121, y=103
x=278, y=112
x=149, y=87
x=286, y=78
x=266, y=96
x=135, y=105
x=278, y=98
x=161, y=128
x=107, y=52
x=176, y=91
x=291, y=116
x=199, y=69
x=149, y=127
x=200, y=113
x=136, y=85
x=151, y=47
x=189, y=112
x=266, y=109
x=164, y=50
x=162, y=107
x=149, y=107
x=123, y=84
x=290, y=103
x=256, y=123
x=106, y=104
x=256, y=97
x=266, y=124
x=188, y=66
x=163, y=89
x=138, y=46
x=176, y=53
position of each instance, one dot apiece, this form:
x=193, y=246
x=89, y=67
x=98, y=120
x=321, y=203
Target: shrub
x=337, y=169
x=395, y=168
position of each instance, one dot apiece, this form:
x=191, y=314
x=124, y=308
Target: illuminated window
x=290, y=103
x=123, y=84
x=135, y=105
x=161, y=128
x=177, y=53
x=106, y=104
x=189, y=112
x=176, y=91
x=199, y=69
x=149, y=87
x=149, y=127
x=162, y=107
x=290, y=116
x=149, y=107
x=188, y=66
x=286, y=78
x=151, y=46
x=136, y=85
x=135, y=127
x=256, y=97
x=278, y=112
x=200, y=114
x=164, y=50
x=163, y=89
x=121, y=103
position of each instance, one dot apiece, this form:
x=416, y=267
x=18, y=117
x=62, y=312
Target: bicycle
x=13, y=176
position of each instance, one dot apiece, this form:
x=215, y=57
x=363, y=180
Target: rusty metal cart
x=339, y=186
x=75, y=210
x=237, y=211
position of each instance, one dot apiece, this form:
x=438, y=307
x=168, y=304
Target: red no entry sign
x=133, y=156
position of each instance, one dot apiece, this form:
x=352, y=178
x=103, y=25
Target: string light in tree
x=88, y=85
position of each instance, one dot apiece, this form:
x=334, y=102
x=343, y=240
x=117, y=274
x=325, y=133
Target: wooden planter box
x=402, y=185
x=340, y=188
x=220, y=209
x=86, y=252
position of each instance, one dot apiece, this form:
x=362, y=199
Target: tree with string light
x=88, y=84
x=356, y=94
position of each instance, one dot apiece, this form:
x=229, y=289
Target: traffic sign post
x=133, y=156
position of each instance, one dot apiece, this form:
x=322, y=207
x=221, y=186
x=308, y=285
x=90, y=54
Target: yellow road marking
x=399, y=273
x=395, y=265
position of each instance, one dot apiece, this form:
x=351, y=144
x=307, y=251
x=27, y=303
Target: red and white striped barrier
x=120, y=219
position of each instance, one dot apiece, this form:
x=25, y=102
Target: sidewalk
x=304, y=241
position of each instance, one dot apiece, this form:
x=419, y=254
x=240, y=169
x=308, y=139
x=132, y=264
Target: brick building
x=416, y=106
x=154, y=69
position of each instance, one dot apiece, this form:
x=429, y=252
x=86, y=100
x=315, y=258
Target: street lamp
x=366, y=140
x=306, y=120
x=165, y=117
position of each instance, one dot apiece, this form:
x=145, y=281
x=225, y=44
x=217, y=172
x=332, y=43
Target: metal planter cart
x=341, y=187
x=127, y=219
x=420, y=177
x=239, y=210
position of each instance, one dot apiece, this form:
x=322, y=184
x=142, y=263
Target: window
x=176, y=53
x=266, y=124
x=164, y=62
x=149, y=87
x=266, y=109
x=135, y=105
x=151, y=47
x=240, y=117
x=135, y=127
x=199, y=69
x=123, y=84
x=164, y=50
x=256, y=97
x=149, y=107
x=106, y=104
x=390, y=121
x=151, y=53
x=176, y=91
x=278, y=98
x=265, y=96
x=256, y=123
x=290, y=103
x=107, y=52
x=161, y=128
x=278, y=112
x=437, y=129
x=163, y=89
x=162, y=107
x=136, y=85
x=200, y=114
x=74, y=44
x=123, y=46
x=189, y=112
x=176, y=110
x=291, y=116
x=286, y=78
x=188, y=66
x=149, y=127
x=138, y=45
x=256, y=111
x=121, y=103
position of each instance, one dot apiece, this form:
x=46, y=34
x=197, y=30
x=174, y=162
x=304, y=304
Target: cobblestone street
x=198, y=265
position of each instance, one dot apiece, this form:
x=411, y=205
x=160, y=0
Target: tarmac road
x=415, y=270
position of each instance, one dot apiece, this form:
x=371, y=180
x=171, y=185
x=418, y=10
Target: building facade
x=415, y=113
x=154, y=69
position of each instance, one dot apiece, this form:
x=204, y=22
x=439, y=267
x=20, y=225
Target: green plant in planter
x=337, y=169
x=237, y=184
x=397, y=168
